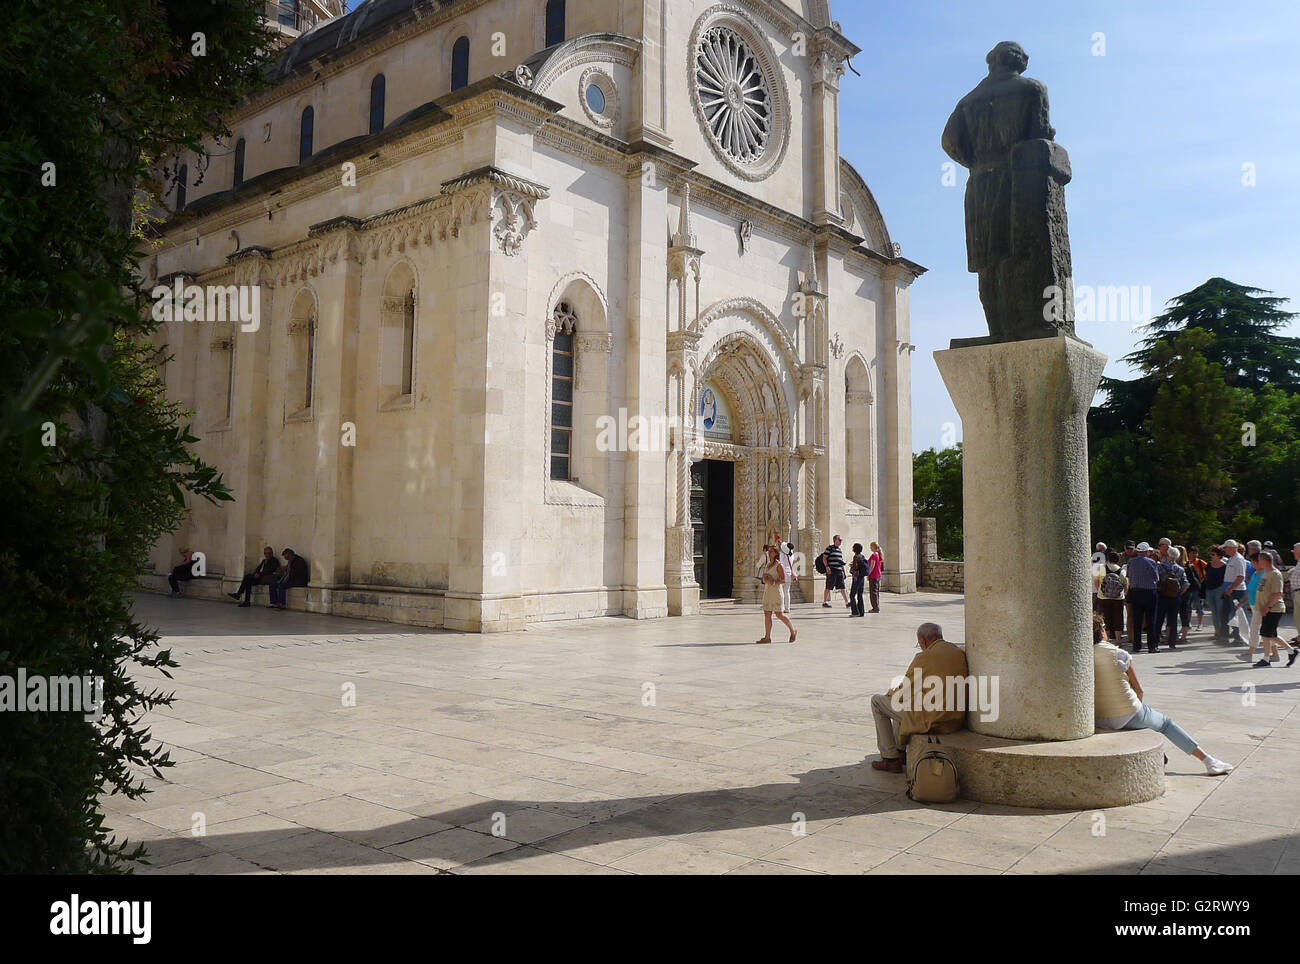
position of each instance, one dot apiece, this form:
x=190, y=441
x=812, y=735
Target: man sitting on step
x=905, y=710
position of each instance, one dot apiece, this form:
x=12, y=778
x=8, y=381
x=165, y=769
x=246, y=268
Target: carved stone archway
x=749, y=376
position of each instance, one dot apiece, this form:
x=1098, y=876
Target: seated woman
x=1118, y=705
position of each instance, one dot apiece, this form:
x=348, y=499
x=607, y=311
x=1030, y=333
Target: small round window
x=598, y=97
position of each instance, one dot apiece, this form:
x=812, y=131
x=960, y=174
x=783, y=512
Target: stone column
x=246, y=530
x=895, y=478
x=645, y=594
x=334, y=402
x=1023, y=406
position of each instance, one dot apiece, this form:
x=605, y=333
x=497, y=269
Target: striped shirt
x=834, y=557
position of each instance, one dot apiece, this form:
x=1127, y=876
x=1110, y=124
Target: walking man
x=1269, y=601
x=834, y=560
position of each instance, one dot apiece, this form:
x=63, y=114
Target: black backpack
x=820, y=564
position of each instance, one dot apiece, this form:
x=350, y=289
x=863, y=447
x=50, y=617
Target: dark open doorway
x=713, y=519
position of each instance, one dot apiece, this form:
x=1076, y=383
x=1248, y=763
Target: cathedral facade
x=563, y=310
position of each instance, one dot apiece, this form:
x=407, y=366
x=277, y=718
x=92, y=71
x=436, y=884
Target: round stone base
x=1108, y=769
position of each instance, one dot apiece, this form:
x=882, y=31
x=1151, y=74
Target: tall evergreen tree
x=1245, y=327
x=1192, y=428
x=1245, y=323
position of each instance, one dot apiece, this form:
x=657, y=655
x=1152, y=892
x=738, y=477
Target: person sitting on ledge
x=294, y=573
x=901, y=714
x=182, y=573
x=1117, y=700
x=263, y=575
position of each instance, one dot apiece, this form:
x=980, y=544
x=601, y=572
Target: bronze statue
x=1016, y=234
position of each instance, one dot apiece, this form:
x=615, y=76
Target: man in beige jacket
x=908, y=708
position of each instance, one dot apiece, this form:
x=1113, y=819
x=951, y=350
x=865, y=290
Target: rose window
x=734, y=96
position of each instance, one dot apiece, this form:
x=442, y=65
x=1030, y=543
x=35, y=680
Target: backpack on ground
x=1112, y=586
x=932, y=774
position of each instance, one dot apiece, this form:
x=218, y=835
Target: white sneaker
x=1216, y=768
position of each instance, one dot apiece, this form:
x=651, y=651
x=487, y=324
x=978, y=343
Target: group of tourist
x=277, y=578
x=1154, y=592
x=940, y=667
x=776, y=570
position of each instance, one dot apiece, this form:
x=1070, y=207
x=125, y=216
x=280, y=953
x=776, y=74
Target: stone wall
x=937, y=574
x=943, y=576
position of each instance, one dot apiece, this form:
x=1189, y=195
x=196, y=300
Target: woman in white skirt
x=773, y=578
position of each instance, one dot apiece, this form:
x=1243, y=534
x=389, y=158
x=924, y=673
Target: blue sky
x=1158, y=130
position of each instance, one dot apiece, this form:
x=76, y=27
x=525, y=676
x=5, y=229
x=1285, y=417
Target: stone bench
x=1111, y=768
x=215, y=587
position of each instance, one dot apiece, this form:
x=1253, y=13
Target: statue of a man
x=1016, y=233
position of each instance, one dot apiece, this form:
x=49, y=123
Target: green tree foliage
x=937, y=492
x=1191, y=429
x=1170, y=450
x=95, y=463
x=1244, y=322
x=1267, y=472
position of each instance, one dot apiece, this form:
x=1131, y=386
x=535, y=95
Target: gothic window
x=408, y=342
x=460, y=63
x=377, y=104
x=229, y=363
x=397, y=340
x=857, y=433
x=563, y=356
x=554, y=22
x=305, y=132
x=239, y=162
x=302, y=355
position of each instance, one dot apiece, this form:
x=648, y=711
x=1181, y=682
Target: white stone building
x=564, y=308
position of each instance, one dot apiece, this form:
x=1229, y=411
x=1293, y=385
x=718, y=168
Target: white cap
x=1144, y=547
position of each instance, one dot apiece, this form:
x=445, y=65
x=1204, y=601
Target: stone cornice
x=499, y=179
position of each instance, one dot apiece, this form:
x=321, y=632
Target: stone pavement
x=656, y=746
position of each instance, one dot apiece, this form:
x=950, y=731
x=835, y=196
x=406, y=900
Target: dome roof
x=367, y=21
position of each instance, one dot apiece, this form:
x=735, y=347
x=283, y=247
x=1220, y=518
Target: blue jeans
x=279, y=592
x=1214, y=599
x=855, y=596
x=1149, y=719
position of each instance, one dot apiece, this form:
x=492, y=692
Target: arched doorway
x=744, y=465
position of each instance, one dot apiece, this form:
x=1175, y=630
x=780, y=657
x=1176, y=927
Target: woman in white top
x=1117, y=700
x=773, y=577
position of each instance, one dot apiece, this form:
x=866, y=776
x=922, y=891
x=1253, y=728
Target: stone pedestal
x=1023, y=407
x=1108, y=769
